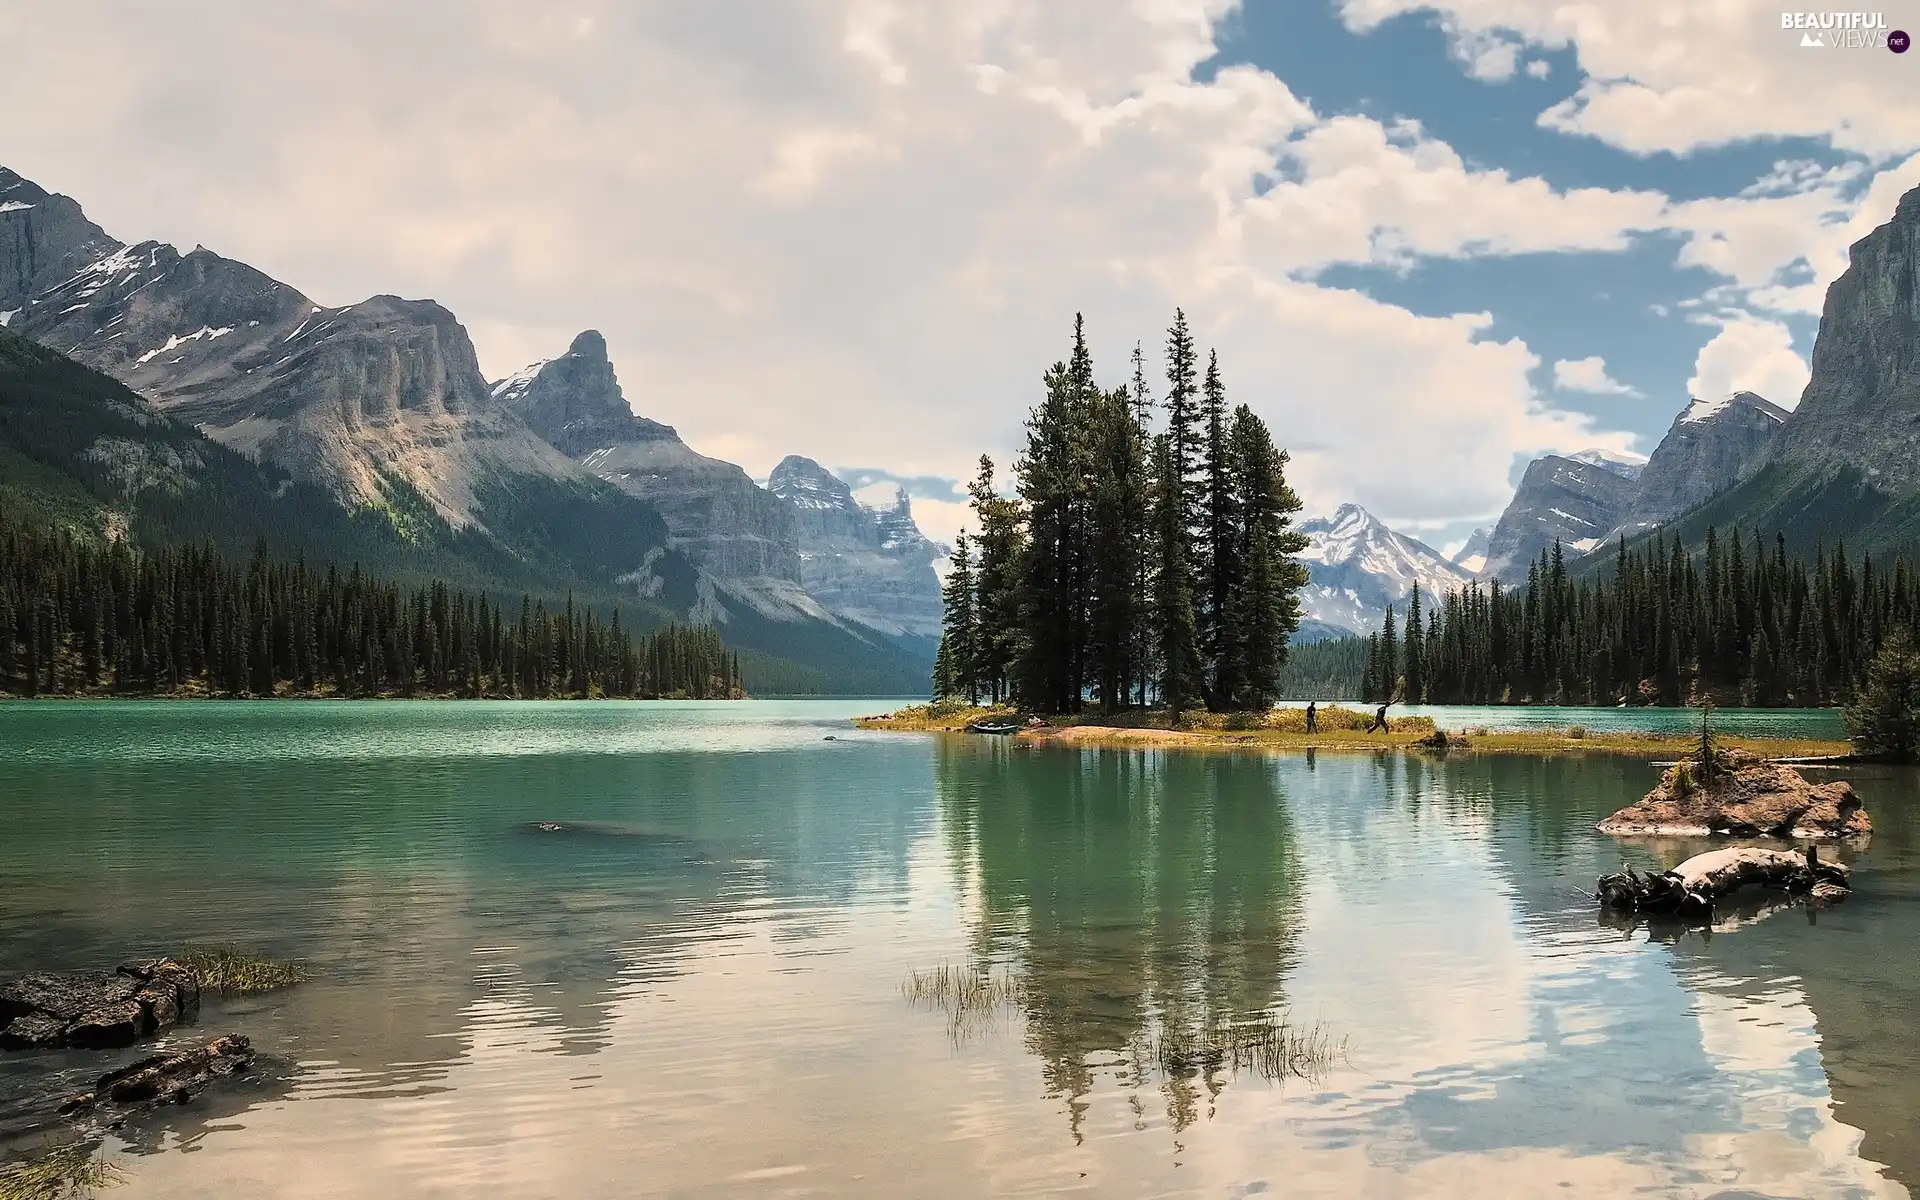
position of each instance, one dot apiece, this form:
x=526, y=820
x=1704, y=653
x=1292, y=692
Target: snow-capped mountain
x=1625, y=465
x=866, y=564
x=1356, y=567
x=1573, y=501
x=1472, y=557
x=1712, y=446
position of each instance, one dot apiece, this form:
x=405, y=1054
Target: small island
x=1339, y=729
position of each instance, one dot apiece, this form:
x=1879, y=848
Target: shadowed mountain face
x=1560, y=499
x=873, y=566
x=43, y=239
x=1710, y=448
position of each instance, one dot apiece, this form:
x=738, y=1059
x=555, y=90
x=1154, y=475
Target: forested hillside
x=81, y=618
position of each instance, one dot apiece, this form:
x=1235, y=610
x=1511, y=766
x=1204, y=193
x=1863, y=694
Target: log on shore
x=167, y=1078
x=1690, y=889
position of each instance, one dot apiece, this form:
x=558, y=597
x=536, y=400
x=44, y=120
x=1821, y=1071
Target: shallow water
x=694, y=987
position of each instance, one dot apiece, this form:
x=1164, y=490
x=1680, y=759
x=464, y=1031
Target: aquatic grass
x=231, y=971
x=971, y=997
x=60, y=1174
x=1577, y=732
x=1266, y=1044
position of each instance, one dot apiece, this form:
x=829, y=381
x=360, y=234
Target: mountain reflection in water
x=696, y=987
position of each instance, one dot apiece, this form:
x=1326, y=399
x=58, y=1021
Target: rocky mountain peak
x=807, y=485
x=870, y=565
x=1861, y=408
x=44, y=238
x=1626, y=466
x=1560, y=499
x=1357, y=566
x=575, y=401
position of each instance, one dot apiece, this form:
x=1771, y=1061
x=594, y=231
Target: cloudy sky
x=1428, y=240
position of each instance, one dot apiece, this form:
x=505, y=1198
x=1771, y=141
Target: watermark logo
x=1844, y=31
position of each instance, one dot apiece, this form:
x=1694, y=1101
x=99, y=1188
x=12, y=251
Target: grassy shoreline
x=1341, y=729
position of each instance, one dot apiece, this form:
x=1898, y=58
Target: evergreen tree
x=1883, y=719
x=960, y=630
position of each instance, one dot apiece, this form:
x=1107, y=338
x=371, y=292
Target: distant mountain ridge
x=1356, y=567
x=869, y=565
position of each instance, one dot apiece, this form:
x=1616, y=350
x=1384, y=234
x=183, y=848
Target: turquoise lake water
x=694, y=987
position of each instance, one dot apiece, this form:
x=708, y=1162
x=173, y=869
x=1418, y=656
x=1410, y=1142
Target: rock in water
x=1748, y=796
x=168, y=1078
x=43, y=1011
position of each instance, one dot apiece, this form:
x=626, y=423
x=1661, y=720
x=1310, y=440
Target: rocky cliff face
x=1861, y=409
x=44, y=239
x=733, y=528
x=872, y=566
x=1560, y=499
x=1711, y=446
x=1356, y=567
x=379, y=402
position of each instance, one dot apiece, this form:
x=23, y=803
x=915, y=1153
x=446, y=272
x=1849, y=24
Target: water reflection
x=1141, y=897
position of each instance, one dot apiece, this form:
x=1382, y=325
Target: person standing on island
x=1380, y=720
x=1313, y=717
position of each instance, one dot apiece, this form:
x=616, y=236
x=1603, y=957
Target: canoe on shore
x=999, y=728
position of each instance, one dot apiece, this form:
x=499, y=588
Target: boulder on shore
x=1747, y=796
x=45, y=1011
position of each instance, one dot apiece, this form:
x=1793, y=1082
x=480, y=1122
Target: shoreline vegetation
x=1341, y=729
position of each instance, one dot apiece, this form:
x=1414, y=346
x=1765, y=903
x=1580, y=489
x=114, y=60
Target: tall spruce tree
x=997, y=591
x=959, y=677
x=1262, y=606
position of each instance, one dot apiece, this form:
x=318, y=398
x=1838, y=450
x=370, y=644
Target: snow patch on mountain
x=1356, y=567
x=175, y=341
x=1625, y=465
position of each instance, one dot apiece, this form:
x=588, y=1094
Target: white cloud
x=1539, y=68
x=1748, y=354
x=1588, y=375
x=1660, y=76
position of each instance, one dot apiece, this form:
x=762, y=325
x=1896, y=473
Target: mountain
x=1356, y=567
x=718, y=516
x=1845, y=464
x=1561, y=499
x=872, y=566
x=1711, y=446
x=81, y=450
x=1626, y=466
x=1473, y=556
x=380, y=409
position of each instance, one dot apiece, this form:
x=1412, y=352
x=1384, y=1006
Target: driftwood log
x=1690, y=889
x=166, y=1078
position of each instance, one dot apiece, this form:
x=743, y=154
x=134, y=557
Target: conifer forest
x=1742, y=622
x=78, y=617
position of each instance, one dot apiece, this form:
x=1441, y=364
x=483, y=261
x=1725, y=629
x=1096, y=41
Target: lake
x=695, y=986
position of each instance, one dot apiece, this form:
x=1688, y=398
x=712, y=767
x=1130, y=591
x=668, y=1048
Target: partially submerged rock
x=46, y=1011
x=1692, y=888
x=166, y=1078
x=1747, y=796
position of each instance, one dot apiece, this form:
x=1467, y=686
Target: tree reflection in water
x=1148, y=906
